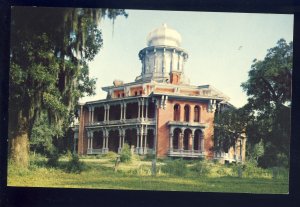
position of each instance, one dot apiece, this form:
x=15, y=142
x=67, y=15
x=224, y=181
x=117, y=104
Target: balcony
x=121, y=122
x=141, y=151
x=190, y=124
x=186, y=153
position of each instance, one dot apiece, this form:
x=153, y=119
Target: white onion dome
x=164, y=35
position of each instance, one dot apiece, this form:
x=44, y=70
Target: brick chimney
x=175, y=77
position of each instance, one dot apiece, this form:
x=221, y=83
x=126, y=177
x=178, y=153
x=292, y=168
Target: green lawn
x=100, y=175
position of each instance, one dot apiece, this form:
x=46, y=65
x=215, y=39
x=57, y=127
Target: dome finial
x=164, y=35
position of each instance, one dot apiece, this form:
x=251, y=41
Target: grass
x=136, y=175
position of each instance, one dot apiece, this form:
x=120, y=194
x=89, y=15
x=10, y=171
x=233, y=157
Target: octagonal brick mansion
x=159, y=112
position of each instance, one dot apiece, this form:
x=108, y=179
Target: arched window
x=196, y=114
x=187, y=113
x=177, y=112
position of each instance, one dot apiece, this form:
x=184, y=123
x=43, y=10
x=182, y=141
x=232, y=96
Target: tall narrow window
x=176, y=112
x=186, y=113
x=196, y=114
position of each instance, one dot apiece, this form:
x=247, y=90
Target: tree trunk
x=18, y=128
x=19, y=149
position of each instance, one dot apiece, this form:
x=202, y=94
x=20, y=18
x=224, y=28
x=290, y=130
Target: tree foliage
x=42, y=134
x=230, y=125
x=269, y=91
x=269, y=83
x=50, y=48
x=266, y=116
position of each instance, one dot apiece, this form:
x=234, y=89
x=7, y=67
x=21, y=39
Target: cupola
x=163, y=56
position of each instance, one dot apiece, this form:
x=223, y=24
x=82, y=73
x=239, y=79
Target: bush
x=175, y=167
x=279, y=172
x=74, y=165
x=201, y=168
x=250, y=170
x=110, y=155
x=53, y=157
x=125, y=155
x=37, y=160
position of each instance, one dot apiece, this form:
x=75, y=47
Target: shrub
x=175, y=167
x=201, y=167
x=125, y=155
x=53, y=157
x=37, y=160
x=110, y=155
x=279, y=172
x=74, y=165
x=250, y=170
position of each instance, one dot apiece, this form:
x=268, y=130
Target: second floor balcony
x=122, y=122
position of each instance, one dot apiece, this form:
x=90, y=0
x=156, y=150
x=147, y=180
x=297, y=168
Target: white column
x=142, y=104
x=193, y=136
x=93, y=114
x=90, y=115
x=164, y=62
x=106, y=142
x=121, y=116
x=141, y=137
x=171, y=142
x=108, y=112
x=103, y=141
x=125, y=106
x=104, y=113
x=120, y=146
x=137, y=141
x=139, y=110
x=146, y=116
x=181, y=140
x=92, y=136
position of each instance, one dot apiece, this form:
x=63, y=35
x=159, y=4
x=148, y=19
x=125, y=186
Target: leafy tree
x=255, y=152
x=269, y=91
x=230, y=125
x=50, y=48
x=269, y=83
x=42, y=134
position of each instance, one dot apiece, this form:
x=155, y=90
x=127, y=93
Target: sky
x=221, y=46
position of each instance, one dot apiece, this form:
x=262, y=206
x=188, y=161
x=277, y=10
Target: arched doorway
x=176, y=138
x=187, y=145
x=198, y=140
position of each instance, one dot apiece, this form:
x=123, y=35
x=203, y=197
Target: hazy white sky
x=221, y=46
